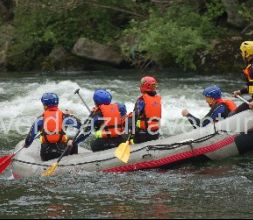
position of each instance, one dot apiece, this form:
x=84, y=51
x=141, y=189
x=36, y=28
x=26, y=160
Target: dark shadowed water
x=221, y=189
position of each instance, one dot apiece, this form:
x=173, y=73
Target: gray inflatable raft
x=226, y=138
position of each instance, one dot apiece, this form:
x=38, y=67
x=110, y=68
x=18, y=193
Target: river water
x=221, y=189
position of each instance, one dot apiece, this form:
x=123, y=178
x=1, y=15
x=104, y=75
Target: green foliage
x=215, y=9
x=246, y=11
x=175, y=35
x=42, y=24
x=168, y=32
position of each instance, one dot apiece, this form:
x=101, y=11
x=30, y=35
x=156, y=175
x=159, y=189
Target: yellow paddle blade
x=123, y=152
x=51, y=170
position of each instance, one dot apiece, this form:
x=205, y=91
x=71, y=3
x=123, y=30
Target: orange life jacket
x=229, y=103
x=52, y=127
x=150, y=119
x=113, y=126
x=247, y=73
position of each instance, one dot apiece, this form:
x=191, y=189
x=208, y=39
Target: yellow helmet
x=247, y=49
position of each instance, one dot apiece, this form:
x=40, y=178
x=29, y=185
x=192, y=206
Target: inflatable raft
x=224, y=139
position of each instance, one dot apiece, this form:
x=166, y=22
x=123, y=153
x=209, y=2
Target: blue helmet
x=102, y=97
x=213, y=92
x=50, y=99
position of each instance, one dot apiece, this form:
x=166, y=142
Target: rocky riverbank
x=73, y=35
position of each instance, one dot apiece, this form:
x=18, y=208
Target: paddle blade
x=5, y=162
x=51, y=170
x=123, y=152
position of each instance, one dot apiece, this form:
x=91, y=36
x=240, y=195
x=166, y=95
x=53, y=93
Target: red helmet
x=148, y=84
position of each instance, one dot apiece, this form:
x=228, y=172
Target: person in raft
x=147, y=113
x=220, y=108
x=247, y=55
x=51, y=126
x=107, y=119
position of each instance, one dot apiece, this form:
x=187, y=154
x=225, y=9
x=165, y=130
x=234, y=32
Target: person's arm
x=35, y=129
x=122, y=109
x=212, y=115
x=195, y=122
x=85, y=134
x=217, y=113
x=139, y=108
x=95, y=122
x=244, y=91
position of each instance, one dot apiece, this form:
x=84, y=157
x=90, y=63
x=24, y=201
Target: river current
x=221, y=189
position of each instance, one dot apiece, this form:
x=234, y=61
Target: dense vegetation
x=189, y=34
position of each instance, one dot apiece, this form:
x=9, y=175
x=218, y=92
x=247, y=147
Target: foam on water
x=28, y=104
x=25, y=100
x=1, y=91
x=20, y=111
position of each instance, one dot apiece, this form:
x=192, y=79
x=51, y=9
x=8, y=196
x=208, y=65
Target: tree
x=6, y=9
x=232, y=8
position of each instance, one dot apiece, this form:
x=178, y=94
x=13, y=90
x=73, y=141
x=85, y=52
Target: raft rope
x=190, y=143
x=159, y=147
x=177, y=145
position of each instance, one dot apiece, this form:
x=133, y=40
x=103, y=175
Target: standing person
x=220, y=108
x=108, y=122
x=51, y=126
x=147, y=112
x=247, y=55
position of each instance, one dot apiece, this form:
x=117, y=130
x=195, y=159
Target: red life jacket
x=150, y=120
x=113, y=126
x=247, y=72
x=229, y=103
x=52, y=127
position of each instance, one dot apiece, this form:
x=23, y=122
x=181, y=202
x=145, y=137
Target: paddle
x=77, y=92
x=51, y=170
x=5, y=161
x=244, y=100
x=123, y=150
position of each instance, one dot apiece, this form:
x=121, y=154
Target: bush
x=42, y=24
x=178, y=34
x=246, y=11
